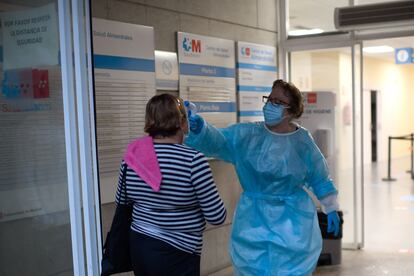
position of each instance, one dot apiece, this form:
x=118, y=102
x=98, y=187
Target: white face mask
x=273, y=113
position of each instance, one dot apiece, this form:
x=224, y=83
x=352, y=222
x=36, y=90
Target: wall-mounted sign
x=166, y=70
x=30, y=38
x=404, y=56
x=32, y=131
x=207, y=76
x=124, y=82
x=256, y=71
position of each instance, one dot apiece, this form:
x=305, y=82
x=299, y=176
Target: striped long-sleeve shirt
x=187, y=198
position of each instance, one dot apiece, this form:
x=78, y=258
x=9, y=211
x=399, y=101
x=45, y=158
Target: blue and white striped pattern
x=187, y=198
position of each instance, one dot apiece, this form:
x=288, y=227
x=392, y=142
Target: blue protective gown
x=275, y=226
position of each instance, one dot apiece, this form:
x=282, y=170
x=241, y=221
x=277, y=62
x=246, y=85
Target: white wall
x=395, y=110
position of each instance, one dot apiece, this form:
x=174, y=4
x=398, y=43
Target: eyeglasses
x=181, y=107
x=267, y=99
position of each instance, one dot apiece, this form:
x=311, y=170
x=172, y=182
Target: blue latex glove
x=196, y=123
x=333, y=223
x=191, y=108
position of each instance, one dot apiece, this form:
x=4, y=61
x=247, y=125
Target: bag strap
x=123, y=183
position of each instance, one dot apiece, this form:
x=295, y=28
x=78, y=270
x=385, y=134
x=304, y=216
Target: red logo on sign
x=312, y=98
x=196, y=46
x=26, y=83
x=40, y=84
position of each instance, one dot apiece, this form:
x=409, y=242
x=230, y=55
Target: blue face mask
x=273, y=113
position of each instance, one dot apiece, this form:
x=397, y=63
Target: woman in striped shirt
x=172, y=191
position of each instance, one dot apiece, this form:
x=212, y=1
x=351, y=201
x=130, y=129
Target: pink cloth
x=141, y=157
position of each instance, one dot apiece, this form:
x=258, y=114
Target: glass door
x=35, y=224
x=331, y=80
x=48, y=202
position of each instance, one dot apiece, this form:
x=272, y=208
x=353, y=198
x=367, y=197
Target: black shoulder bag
x=116, y=255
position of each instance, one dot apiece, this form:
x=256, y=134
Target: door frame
x=348, y=40
x=374, y=125
x=80, y=137
x=357, y=138
x=336, y=40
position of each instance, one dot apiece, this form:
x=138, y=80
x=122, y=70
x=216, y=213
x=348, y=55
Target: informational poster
x=32, y=133
x=166, y=70
x=256, y=72
x=124, y=82
x=31, y=116
x=319, y=118
x=207, y=76
x=30, y=37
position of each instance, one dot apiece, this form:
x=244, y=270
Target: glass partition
x=35, y=225
x=323, y=73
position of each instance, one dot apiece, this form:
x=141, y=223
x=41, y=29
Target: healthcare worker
x=275, y=227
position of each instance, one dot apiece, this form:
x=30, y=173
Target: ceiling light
x=305, y=32
x=378, y=49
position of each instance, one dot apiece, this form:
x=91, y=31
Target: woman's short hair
x=293, y=93
x=164, y=115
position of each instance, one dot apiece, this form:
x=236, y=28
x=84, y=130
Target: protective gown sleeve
x=213, y=142
x=318, y=177
x=329, y=203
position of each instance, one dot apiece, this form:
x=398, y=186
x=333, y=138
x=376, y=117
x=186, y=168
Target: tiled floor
x=389, y=227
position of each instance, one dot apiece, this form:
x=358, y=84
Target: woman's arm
x=206, y=191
